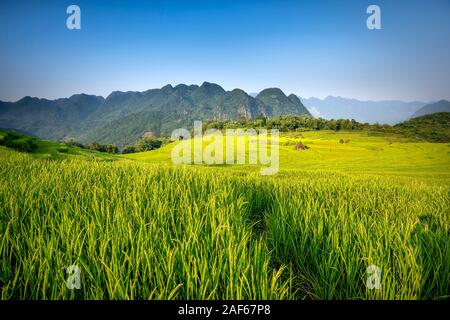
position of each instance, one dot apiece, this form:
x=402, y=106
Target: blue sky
x=310, y=48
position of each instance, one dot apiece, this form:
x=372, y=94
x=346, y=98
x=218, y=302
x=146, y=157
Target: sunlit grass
x=142, y=228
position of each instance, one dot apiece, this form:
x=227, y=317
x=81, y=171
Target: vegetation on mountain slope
x=432, y=127
x=123, y=117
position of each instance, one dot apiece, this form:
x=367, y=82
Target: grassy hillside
x=42, y=149
x=142, y=228
x=366, y=152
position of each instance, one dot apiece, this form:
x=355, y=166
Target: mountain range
x=122, y=117
x=384, y=111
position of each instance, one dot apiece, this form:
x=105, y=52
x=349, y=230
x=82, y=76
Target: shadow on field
x=432, y=240
x=262, y=202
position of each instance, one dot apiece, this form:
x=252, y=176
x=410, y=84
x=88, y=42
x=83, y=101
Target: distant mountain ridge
x=440, y=106
x=48, y=118
x=123, y=117
x=387, y=111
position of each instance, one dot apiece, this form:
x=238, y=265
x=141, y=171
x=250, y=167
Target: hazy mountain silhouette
x=440, y=106
x=387, y=111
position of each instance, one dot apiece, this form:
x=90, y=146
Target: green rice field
x=140, y=227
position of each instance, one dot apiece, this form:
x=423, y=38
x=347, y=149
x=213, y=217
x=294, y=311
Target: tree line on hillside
x=109, y=148
x=293, y=123
x=145, y=143
x=433, y=127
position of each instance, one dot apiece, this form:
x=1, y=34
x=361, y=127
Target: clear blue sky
x=311, y=48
